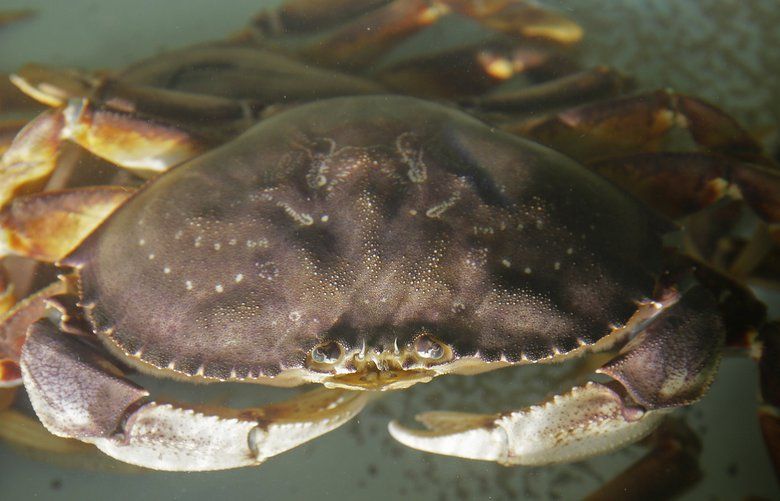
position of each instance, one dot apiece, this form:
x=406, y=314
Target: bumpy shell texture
x=366, y=219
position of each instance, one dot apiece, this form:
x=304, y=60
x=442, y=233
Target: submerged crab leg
x=143, y=129
x=587, y=85
x=47, y=226
x=7, y=298
x=671, y=363
x=369, y=33
x=359, y=42
x=474, y=68
x=32, y=157
x=519, y=18
x=13, y=330
x=636, y=124
x=76, y=393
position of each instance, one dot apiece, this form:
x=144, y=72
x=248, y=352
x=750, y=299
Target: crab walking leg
x=474, y=68
x=30, y=160
x=359, y=42
x=7, y=298
x=520, y=19
x=669, y=364
x=13, y=330
x=636, y=124
x=47, y=226
x=76, y=393
x=143, y=129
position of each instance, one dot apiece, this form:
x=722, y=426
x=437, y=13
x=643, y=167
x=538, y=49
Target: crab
x=365, y=243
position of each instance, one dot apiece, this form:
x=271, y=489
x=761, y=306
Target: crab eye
x=427, y=347
x=328, y=352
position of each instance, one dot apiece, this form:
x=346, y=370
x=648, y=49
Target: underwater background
x=726, y=51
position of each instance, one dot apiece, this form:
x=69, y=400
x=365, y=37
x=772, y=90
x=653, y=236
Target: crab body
x=366, y=222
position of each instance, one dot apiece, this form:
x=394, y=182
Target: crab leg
x=7, y=298
x=76, y=393
x=670, y=363
x=359, y=42
x=368, y=33
x=472, y=69
x=636, y=124
x=13, y=330
x=158, y=128
x=596, y=83
x=519, y=18
x=47, y=226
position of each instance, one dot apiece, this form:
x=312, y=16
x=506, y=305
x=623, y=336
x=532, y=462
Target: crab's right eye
x=428, y=347
x=328, y=352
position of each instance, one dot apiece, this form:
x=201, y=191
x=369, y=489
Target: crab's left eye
x=328, y=352
x=428, y=347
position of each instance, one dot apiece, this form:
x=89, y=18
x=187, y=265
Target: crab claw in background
x=65, y=378
x=668, y=364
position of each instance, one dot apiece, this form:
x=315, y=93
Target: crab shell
x=376, y=227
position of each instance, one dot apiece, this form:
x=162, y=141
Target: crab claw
x=76, y=393
x=670, y=363
x=589, y=420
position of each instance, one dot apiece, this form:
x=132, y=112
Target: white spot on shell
x=268, y=270
x=188, y=285
x=557, y=265
x=166, y=270
x=217, y=246
x=232, y=241
x=219, y=288
x=506, y=262
x=260, y=242
x=324, y=218
x=141, y=242
x=527, y=270
x=151, y=256
x=569, y=251
x=294, y=316
x=239, y=278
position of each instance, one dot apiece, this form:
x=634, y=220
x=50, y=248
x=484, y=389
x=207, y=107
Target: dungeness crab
x=367, y=242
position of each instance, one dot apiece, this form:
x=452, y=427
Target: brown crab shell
x=366, y=220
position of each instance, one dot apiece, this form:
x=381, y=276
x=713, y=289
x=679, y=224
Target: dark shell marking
x=367, y=219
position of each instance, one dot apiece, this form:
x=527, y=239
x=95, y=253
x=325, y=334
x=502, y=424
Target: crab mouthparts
x=371, y=377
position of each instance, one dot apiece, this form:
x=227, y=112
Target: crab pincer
x=669, y=363
x=78, y=394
